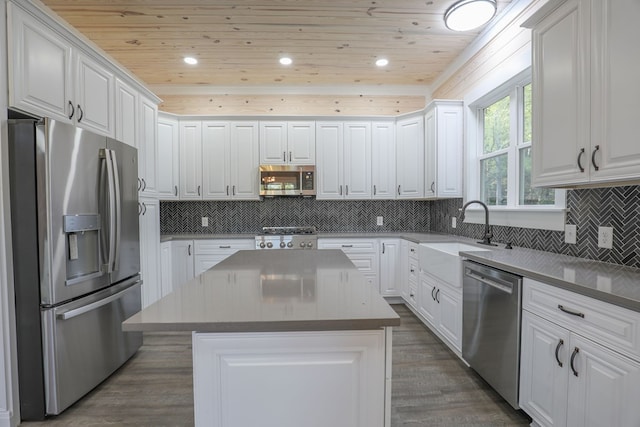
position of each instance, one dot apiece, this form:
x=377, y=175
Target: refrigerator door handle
x=118, y=210
x=111, y=209
x=70, y=314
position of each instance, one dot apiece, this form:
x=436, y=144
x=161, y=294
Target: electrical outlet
x=454, y=222
x=205, y=221
x=380, y=220
x=605, y=237
x=570, y=233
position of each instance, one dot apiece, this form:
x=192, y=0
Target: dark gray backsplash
x=326, y=215
x=618, y=207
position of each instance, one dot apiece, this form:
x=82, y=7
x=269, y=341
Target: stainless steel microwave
x=287, y=180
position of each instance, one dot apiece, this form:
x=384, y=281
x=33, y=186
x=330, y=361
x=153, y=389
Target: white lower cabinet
x=149, y=216
x=441, y=306
x=210, y=252
x=567, y=379
x=165, y=268
x=362, y=252
x=389, y=271
x=291, y=379
x=181, y=262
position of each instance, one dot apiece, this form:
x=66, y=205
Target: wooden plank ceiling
x=239, y=42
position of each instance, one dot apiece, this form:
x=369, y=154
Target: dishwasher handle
x=500, y=286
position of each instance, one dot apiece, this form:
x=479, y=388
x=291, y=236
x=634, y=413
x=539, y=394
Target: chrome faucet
x=486, y=240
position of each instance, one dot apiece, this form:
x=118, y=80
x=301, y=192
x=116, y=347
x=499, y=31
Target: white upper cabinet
x=126, y=113
x=343, y=160
x=147, y=145
x=50, y=76
x=245, y=161
x=410, y=158
x=585, y=67
x=383, y=160
x=94, y=96
x=219, y=160
x=190, y=160
x=443, y=128
x=283, y=143
x=168, y=158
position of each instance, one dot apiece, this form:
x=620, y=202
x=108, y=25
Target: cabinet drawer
x=365, y=263
x=615, y=327
x=413, y=293
x=413, y=251
x=414, y=270
x=220, y=246
x=349, y=246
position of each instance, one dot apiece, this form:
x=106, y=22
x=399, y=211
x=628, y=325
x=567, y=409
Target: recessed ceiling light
x=466, y=15
x=285, y=60
x=382, y=62
x=190, y=60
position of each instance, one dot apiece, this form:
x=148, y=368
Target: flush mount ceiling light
x=190, y=60
x=466, y=15
x=382, y=62
x=286, y=60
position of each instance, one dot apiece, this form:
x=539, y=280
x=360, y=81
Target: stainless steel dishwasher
x=491, y=327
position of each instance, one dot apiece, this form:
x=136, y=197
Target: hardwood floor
x=431, y=387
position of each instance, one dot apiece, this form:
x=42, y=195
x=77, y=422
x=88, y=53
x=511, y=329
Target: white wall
x=9, y=413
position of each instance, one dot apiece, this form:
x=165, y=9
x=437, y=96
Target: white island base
x=292, y=379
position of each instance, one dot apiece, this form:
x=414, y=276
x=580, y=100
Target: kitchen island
x=283, y=337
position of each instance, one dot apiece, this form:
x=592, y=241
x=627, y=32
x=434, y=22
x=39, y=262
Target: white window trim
x=538, y=217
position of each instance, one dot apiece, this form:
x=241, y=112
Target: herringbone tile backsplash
x=326, y=215
x=617, y=207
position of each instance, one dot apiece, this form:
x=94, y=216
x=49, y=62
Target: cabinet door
x=95, y=103
x=148, y=145
x=430, y=153
x=182, y=266
x=329, y=160
x=443, y=149
x=410, y=158
x=544, y=370
x=273, y=143
x=403, y=266
x=427, y=305
x=191, y=160
x=383, y=160
x=216, y=160
x=150, y=250
x=606, y=389
x=39, y=67
x=165, y=269
x=560, y=85
x=614, y=90
x=449, y=302
x=390, y=282
x=245, y=161
x=126, y=113
x=301, y=142
x=168, y=158
x=357, y=160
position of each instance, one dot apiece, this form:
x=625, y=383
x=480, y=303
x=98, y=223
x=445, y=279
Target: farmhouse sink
x=442, y=260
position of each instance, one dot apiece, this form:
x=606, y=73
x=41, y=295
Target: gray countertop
x=266, y=291
x=607, y=282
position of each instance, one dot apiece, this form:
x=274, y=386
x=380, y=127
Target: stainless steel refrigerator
x=74, y=213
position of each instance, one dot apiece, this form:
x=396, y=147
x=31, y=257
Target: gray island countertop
x=269, y=291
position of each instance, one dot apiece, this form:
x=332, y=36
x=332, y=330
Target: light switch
x=380, y=220
x=205, y=221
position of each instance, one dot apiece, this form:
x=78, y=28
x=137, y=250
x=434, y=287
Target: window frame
x=551, y=217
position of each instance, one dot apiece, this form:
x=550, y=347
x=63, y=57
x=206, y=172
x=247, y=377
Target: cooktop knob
x=269, y=245
x=302, y=245
x=289, y=245
x=310, y=244
x=262, y=245
x=283, y=244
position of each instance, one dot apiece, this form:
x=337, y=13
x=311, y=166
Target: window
x=498, y=163
x=505, y=152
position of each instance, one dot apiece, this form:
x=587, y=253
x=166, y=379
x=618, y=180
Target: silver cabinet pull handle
x=580, y=157
x=175, y=187
x=81, y=113
x=284, y=156
x=198, y=190
x=144, y=184
x=234, y=190
x=341, y=189
x=189, y=250
x=398, y=190
x=347, y=190
x=437, y=293
x=73, y=110
x=224, y=247
x=144, y=205
x=139, y=184
x=374, y=190
x=593, y=157
x=289, y=155
x=433, y=187
x=227, y=190
x=571, y=312
x=347, y=246
x=383, y=247
x=576, y=350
